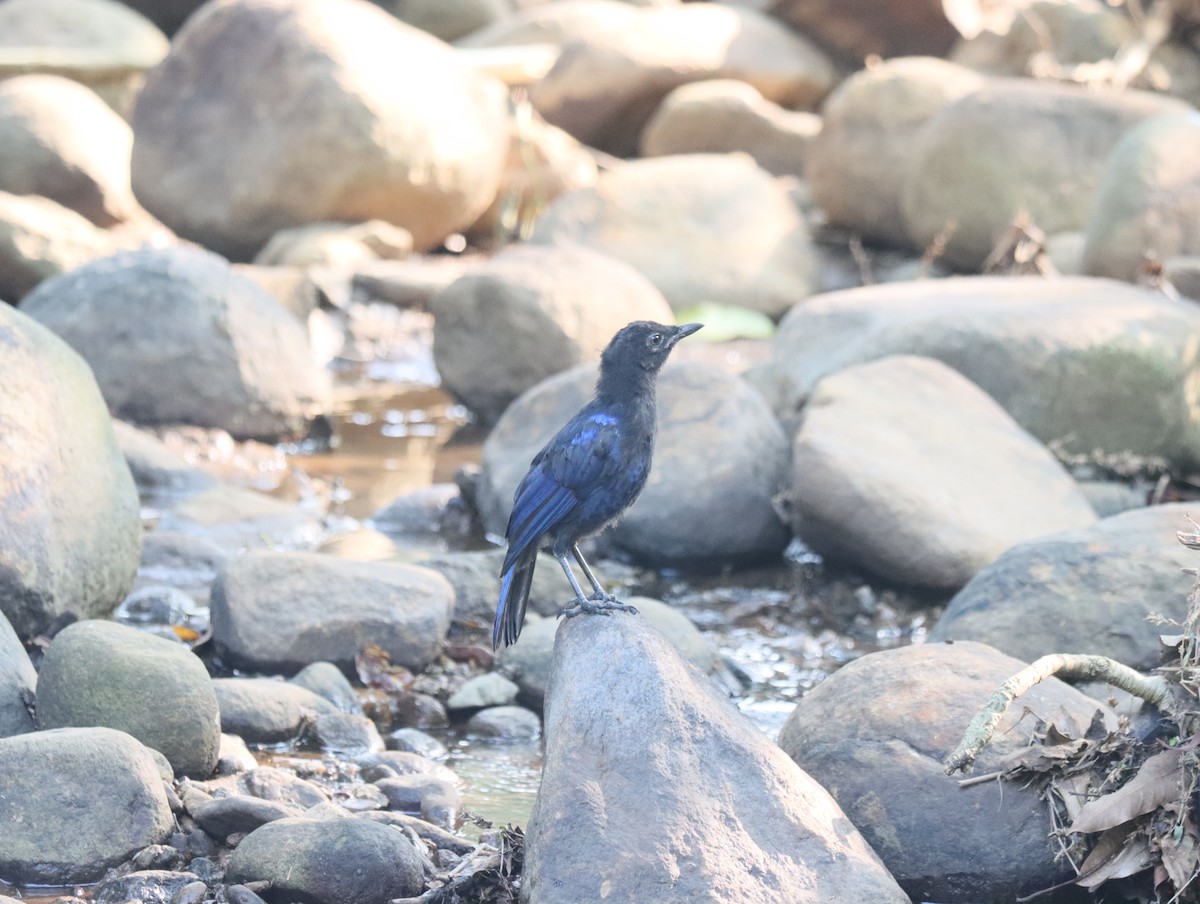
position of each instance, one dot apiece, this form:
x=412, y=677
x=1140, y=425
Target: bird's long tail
x=514, y=595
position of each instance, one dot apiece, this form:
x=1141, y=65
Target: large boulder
x=530, y=312
x=17, y=683
x=1094, y=590
x=1119, y=357
x=62, y=142
x=267, y=711
x=355, y=116
x=76, y=802
x=653, y=780
x=174, y=335
x=1015, y=147
x=857, y=163
x=70, y=528
x=606, y=83
x=720, y=460
x=702, y=227
x=875, y=733
x=907, y=468
x=1147, y=205
x=280, y=611
x=98, y=673
x=863, y=28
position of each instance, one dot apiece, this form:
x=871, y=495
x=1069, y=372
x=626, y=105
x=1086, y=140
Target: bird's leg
x=599, y=595
x=582, y=603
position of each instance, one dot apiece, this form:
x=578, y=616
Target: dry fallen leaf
x=1157, y=782
x=1120, y=852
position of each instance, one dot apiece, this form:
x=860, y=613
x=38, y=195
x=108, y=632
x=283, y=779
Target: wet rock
x=282, y=786
x=393, y=126
x=395, y=763
x=100, y=673
x=1012, y=148
x=266, y=711
x=76, y=802
x=187, y=563
x=335, y=861
x=344, y=734
x=40, y=239
x=490, y=689
x=505, y=723
x=335, y=607
x=873, y=27
x=906, y=468
x=440, y=838
x=155, y=468
x=71, y=534
x=335, y=245
x=1082, y=591
x=702, y=227
x=125, y=315
x=232, y=519
x=528, y=662
x=529, y=313
x=856, y=165
x=875, y=733
x=17, y=683
x=417, y=512
x=719, y=461
x=1119, y=386
x=413, y=740
x=434, y=799
x=475, y=577
x=417, y=710
x=724, y=116
x=234, y=756
x=733, y=819
x=100, y=43
x=225, y=816
x=148, y=886
x=1147, y=202
x=193, y=893
x=605, y=85
x=327, y=680
x=62, y=142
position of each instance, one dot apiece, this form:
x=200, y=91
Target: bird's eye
x=655, y=340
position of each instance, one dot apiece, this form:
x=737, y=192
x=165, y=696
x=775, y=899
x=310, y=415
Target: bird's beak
x=685, y=330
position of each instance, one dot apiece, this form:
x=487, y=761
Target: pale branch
x=1076, y=666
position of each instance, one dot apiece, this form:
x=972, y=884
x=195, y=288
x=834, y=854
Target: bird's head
x=643, y=345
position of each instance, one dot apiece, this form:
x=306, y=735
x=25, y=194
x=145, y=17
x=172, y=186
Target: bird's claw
x=606, y=604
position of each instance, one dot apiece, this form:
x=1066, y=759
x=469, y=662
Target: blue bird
x=588, y=474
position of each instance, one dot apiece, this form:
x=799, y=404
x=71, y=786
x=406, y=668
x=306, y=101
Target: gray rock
x=413, y=740
x=396, y=763
x=335, y=607
x=1082, y=591
x=875, y=733
x=1111, y=497
x=702, y=227
x=70, y=536
x=188, y=563
x=905, y=467
x=490, y=689
x=393, y=127
x=856, y=165
x=732, y=818
x=724, y=116
x=529, y=661
x=156, y=469
x=77, y=801
x=449, y=21
x=338, y=245
x=475, y=577
x=101, y=673
x=505, y=723
x=1121, y=385
x=232, y=519
x=434, y=799
x=1015, y=147
x=62, y=142
x=281, y=786
x=417, y=512
x=266, y=711
x=328, y=681
x=17, y=683
x=1147, y=202
x=234, y=756
x=875, y=27
x=239, y=814
x=335, y=861
x=175, y=335
x=691, y=510
x=604, y=85
x=531, y=312
x=440, y=838
x=155, y=886
x=344, y=734
x=1183, y=272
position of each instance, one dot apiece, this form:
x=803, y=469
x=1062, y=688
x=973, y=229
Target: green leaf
x=723, y=322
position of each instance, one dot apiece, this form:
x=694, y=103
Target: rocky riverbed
x=291, y=291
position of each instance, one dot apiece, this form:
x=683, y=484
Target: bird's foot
x=605, y=604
